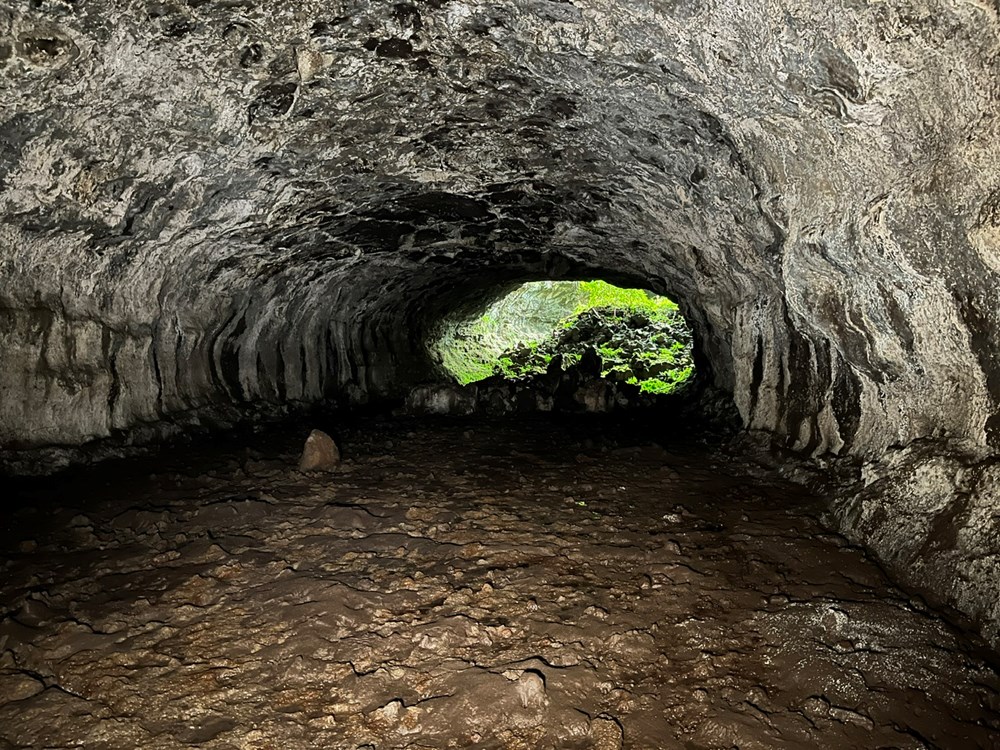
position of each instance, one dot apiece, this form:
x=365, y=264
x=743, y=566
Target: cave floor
x=459, y=584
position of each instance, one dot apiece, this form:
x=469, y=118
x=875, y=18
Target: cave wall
x=929, y=513
x=213, y=208
x=206, y=205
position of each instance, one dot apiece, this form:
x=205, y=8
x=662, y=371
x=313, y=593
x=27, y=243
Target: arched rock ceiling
x=212, y=203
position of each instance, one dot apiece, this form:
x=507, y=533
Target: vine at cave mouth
x=640, y=338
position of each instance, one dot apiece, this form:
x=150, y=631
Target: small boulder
x=320, y=453
x=531, y=689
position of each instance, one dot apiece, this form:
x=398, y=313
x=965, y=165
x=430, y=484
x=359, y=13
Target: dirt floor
x=460, y=584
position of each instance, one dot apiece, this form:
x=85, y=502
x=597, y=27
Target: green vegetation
x=649, y=349
x=470, y=348
x=602, y=294
x=640, y=338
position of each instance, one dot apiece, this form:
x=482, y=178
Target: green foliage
x=472, y=370
x=602, y=294
x=468, y=347
x=652, y=351
x=506, y=367
x=640, y=337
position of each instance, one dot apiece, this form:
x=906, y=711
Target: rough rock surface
x=933, y=517
x=574, y=389
x=210, y=207
x=320, y=453
x=492, y=588
x=205, y=203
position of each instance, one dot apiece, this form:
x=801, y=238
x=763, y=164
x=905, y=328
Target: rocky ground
x=463, y=584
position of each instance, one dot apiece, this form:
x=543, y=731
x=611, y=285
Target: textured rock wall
x=206, y=203
x=211, y=205
x=930, y=513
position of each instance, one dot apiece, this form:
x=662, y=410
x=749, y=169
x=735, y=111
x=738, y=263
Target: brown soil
x=504, y=587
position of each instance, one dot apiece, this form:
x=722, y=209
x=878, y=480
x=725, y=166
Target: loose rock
x=320, y=453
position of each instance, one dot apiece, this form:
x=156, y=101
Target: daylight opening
x=630, y=337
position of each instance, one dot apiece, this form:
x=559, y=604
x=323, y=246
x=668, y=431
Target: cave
x=245, y=506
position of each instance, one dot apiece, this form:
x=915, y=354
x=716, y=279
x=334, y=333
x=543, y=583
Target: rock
x=320, y=453
x=393, y=710
x=606, y=734
x=309, y=63
x=531, y=689
x=442, y=399
x=930, y=512
x=18, y=686
x=34, y=613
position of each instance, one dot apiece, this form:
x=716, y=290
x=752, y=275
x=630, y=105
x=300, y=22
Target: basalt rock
x=320, y=453
x=577, y=389
x=210, y=206
x=931, y=513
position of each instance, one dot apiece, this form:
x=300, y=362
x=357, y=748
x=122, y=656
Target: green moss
x=640, y=337
x=602, y=294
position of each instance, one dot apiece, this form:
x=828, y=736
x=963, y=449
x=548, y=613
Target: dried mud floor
x=490, y=585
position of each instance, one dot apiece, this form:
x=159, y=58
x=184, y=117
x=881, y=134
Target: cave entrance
x=545, y=331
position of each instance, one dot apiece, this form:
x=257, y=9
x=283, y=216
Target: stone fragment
x=393, y=710
x=320, y=453
x=531, y=689
x=309, y=62
x=606, y=734
x=34, y=613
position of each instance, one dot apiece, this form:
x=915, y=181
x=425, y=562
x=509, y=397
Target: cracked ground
x=460, y=584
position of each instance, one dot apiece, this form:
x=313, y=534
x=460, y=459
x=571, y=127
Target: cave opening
x=639, y=338
x=562, y=346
